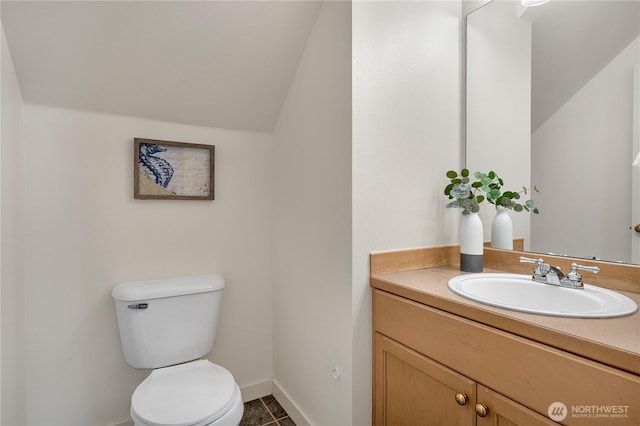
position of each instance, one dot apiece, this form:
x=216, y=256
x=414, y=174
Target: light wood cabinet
x=502, y=411
x=425, y=358
x=412, y=389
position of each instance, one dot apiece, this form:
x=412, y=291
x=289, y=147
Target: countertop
x=611, y=341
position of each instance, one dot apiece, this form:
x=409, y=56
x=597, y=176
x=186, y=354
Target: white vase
x=471, y=243
x=502, y=230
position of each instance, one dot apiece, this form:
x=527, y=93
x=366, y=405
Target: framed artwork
x=164, y=170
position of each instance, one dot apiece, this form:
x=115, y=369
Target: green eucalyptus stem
x=463, y=192
x=468, y=195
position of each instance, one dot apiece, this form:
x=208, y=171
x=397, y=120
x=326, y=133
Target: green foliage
x=468, y=195
x=463, y=192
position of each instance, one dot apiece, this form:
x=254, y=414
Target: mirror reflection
x=550, y=102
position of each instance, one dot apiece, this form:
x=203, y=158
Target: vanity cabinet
x=502, y=411
x=432, y=367
x=412, y=389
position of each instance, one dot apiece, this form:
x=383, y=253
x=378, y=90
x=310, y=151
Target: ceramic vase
x=471, y=243
x=502, y=230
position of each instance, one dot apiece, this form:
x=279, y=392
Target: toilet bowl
x=197, y=393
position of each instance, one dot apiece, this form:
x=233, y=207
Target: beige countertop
x=612, y=341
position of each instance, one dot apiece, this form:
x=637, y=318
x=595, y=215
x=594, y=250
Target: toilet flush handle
x=138, y=306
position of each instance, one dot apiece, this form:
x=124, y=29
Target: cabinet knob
x=482, y=410
x=461, y=398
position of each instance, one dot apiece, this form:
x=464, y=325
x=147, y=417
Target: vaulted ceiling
x=571, y=42
x=225, y=64
x=229, y=64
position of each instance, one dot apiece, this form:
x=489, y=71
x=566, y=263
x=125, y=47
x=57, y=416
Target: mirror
x=550, y=102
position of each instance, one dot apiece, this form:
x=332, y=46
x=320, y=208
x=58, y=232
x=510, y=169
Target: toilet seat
x=193, y=394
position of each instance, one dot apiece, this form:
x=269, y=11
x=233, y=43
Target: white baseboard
x=122, y=422
x=289, y=406
x=256, y=390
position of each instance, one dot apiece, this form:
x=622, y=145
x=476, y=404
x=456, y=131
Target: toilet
x=168, y=325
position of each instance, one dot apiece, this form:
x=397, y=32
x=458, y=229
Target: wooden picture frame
x=165, y=170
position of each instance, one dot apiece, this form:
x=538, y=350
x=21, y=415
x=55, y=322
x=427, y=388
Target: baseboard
x=256, y=390
x=121, y=422
x=289, y=406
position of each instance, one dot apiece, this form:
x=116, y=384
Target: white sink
x=519, y=293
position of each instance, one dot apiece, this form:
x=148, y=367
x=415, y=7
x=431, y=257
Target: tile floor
x=265, y=411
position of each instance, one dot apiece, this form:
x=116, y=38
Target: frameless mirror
x=550, y=102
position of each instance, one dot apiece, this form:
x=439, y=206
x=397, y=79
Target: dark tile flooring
x=265, y=411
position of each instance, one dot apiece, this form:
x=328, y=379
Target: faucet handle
x=530, y=260
x=575, y=267
x=574, y=279
x=540, y=265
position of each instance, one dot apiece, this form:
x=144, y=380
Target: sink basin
x=518, y=292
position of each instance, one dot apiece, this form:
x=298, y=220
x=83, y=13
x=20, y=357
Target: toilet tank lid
x=168, y=287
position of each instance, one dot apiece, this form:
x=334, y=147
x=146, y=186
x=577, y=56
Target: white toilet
x=167, y=325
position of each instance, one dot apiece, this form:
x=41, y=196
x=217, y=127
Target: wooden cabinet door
x=502, y=411
x=411, y=389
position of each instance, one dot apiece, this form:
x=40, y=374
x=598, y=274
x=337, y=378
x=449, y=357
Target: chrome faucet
x=543, y=272
x=548, y=274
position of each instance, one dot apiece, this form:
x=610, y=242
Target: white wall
x=312, y=239
x=333, y=190
x=406, y=135
x=86, y=233
x=499, y=70
x=12, y=249
x=595, y=123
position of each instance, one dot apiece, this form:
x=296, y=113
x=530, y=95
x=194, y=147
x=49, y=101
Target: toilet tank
x=167, y=321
